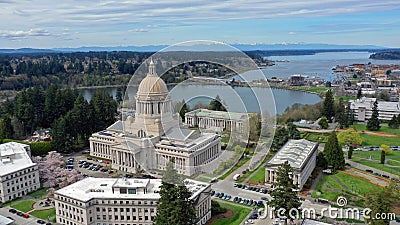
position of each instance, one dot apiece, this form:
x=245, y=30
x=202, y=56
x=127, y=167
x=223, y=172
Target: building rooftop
x=14, y=157
x=218, y=114
x=295, y=152
x=93, y=188
x=5, y=221
x=368, y=103
x=313, y=222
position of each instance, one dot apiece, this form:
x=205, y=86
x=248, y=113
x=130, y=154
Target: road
x=17, y=219
x=364, y=168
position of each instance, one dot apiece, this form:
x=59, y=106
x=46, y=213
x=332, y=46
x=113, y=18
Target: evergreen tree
x=174, y=206
x=285, y=194
x=280, y=138
x=349, y=116
x=183, y=109
x=359, y=93
x=340, y=114
x=323, y=122
x=61, y=141
x=373, y=123
x=216, y=104
x=119, y=95
x=333, y=153
x=350, y=152
x=383, y=156
x=394, y=122
x=6, y=129
x=293, y=132
x=329, y=106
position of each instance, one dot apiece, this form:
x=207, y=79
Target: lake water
x=237, y=99
x=320, y=64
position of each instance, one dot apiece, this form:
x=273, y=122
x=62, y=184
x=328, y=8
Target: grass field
x=372, y=159
x=44, y=214
x=383, y=129
x=259, y=176
x=39, y=194
x=239, y=214
x=316, y=137
x=23, y=206
x=331, y=186
x=371, y=140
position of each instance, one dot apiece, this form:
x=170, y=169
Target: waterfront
x=319, y=64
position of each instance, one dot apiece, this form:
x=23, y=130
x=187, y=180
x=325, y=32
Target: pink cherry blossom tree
x=52, y=172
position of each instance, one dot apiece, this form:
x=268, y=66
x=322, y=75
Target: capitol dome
x=152, y=84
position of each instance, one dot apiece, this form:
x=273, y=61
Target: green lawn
x=317, y=137
x=239, y=214
x=393, y=163
x=44, y=214
x=372, y=140
x=330, y=187
x=23, y=206
x=39, y=194
x=383, y=129
x=372, y=159
x=259, y=176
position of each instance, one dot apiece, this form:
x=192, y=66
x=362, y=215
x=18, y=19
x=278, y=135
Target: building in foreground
x=302, y=157
x=154, y=137
x=205, y=118
x=18, y=174
x=121, y=201
x=362, y=109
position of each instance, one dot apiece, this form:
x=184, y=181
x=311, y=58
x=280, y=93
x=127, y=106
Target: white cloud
x=139, y=30
x=292, y=33
x=14, y=34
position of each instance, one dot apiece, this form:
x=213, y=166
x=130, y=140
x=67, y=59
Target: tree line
x=71, y=118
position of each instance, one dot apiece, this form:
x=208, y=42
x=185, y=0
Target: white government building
x=121, y=201
x=205, y=118
x=154, y=137
x=301, y=156
x=18, y=174
x=362, y=109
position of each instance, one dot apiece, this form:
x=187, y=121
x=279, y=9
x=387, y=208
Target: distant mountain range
x=202, y=47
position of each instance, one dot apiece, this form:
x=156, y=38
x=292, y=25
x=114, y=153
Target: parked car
x=26, y=215
x=13, y=211
x=369, y=171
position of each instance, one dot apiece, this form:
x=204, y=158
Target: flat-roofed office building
x=18, y=174
x=300, y=154
x=362, y=109
x=121, y=201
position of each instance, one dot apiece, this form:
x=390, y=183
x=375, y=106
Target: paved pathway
x=364, y=168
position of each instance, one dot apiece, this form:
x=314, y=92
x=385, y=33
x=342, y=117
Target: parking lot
x=18, y=220
x=89, y=166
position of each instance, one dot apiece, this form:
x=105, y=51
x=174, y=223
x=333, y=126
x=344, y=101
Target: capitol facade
x=153, y=137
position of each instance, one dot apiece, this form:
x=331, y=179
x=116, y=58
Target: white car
x=100, y=161
x=249, y=222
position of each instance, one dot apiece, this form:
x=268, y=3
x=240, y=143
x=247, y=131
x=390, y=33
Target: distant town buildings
x=297, y=80
x=18, y=174
x=205, y=118
x=153, y=137
x=121, y=201
x=301, y=156
x=363, y=109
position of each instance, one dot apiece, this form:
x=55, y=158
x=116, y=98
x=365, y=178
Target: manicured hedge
x=37, y=148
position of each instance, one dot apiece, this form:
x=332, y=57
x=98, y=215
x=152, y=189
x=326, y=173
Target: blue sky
x=75, y=23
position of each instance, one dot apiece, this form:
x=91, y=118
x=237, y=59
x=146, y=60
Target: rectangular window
x=131, y=191
x=122, y=190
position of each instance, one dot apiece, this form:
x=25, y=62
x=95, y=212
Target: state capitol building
x=154, y=136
